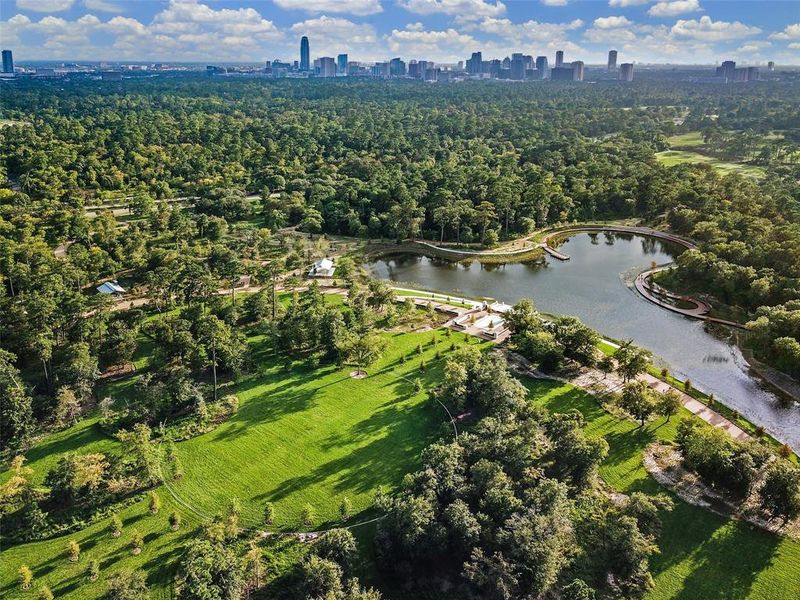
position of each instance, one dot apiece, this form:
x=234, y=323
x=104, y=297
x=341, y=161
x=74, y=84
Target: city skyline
x=445, y=31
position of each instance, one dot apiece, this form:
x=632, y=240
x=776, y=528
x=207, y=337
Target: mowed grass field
x=703, y=556
x=687, y=148
x=671, y=158
x=300, y=436
x=317, y=435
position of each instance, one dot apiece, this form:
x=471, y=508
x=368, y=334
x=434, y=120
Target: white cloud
x=753, y=47
x=707, y=30
x=795, y=46
x=626, y=3
x=674, y=7
x=612, y=22
x=332, y=35
x=353, y=7
x=189, y=16
x=48, y=6
x=466, y=9
x=442, y=46
x=418, y=26
x=103, y=6
x=555, y=2
x=790, y=32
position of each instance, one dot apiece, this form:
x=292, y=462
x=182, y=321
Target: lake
x=596, y=285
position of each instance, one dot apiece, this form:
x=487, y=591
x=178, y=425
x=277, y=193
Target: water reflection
x=597, y=286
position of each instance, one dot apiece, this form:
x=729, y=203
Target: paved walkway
x=598, y=383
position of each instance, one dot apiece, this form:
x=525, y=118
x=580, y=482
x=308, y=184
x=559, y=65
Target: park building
x=322, y=268
x=111, y=288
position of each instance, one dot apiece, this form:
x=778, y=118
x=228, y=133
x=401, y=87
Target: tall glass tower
x=305, y=54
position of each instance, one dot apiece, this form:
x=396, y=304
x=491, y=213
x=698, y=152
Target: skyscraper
x=517, y=67
x=626, y=72
x=727, y=69
x=305, y=54
x=397, y=67
x=577, y=70
x=771, y=65
x=541, y=67
x=475, y=64
x=341, y=64
x=612, y=60
x=562, y=74
x=559, y=58
x=8, y=62
x=327, y=67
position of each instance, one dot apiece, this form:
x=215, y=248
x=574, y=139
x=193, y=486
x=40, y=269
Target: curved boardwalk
x=649, y=290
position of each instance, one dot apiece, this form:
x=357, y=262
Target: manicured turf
x=686, y=140
x=671, y=158
x=703, y=556
x=304, y=436
x=316, y=435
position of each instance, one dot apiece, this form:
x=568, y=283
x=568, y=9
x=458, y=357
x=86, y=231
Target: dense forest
x=471, y=164
x=180, y=187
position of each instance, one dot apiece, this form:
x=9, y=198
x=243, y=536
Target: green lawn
x=703, y=556
x=686, y=140
x=304, y=436
x=671, y=158
x=317, y=435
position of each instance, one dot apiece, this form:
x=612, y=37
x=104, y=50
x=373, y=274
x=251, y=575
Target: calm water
x=596, y=285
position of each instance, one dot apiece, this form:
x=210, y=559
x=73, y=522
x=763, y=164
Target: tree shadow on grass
x=722, y=569
x=384, y=460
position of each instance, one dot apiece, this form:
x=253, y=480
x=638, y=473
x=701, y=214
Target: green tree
x=668, y=404
x=16, y=412
x=93, y=570
x=209, y=571
x=631, y=361
x=780, y=493
x=25, y=576
x=362, y=350
x=637, y=400
x=127, y=585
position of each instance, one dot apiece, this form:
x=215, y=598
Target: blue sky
x=674, y=31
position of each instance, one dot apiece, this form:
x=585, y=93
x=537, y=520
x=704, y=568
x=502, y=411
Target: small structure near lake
x=111, y=288
x=322, y=268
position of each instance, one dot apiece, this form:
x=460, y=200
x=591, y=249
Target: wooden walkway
x=652, y=292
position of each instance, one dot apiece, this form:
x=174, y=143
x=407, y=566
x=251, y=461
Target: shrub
x=115, y=526
x=174, y=521
x=155, y=502
x=73, y=550
x=269, y=513
x=93, y=570
x=45, y=593
x=716, y=457
x=25, y=576
x=307, y=516
x=137, y=541
x=345, y=508
x=231, y=403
